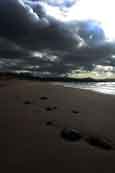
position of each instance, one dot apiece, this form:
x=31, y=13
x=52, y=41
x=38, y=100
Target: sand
x=33, y=116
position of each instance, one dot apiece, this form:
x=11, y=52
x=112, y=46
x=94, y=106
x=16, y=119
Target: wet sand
x=47, y=128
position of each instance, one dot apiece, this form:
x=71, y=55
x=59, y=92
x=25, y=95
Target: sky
x=56, y=37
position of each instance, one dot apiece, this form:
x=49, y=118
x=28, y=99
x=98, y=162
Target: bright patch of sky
x=101, y=11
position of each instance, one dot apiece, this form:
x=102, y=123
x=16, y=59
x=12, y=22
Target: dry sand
x=34, y=114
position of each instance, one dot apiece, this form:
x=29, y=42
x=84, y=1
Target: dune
x=49, y=128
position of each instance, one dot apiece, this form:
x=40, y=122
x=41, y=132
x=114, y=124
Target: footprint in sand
x=50, y=123
x=75, y=112
x=50, y=108
x=43, y=98
x=99, y=142
x=27, y=102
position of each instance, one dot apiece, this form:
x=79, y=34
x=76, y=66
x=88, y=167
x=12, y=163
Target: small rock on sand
x=70, y=134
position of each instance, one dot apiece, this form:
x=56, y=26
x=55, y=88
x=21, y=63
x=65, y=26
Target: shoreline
x=30, y=76
x=87, y=84
x=11, y=76
x=90, y=89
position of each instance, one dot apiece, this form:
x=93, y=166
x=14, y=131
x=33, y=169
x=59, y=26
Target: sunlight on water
x=102, y=87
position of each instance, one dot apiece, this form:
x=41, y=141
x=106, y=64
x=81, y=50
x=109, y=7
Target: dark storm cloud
x=14, y=18
x=25, y=29
x=20, y=24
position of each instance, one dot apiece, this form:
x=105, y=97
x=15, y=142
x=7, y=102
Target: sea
x=101, y=87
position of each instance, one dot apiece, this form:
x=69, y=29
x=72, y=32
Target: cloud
x=32, y=40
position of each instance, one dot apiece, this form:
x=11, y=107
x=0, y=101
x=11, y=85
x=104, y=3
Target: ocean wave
x=101, y=87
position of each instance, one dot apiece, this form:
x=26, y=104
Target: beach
x=33, y=117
